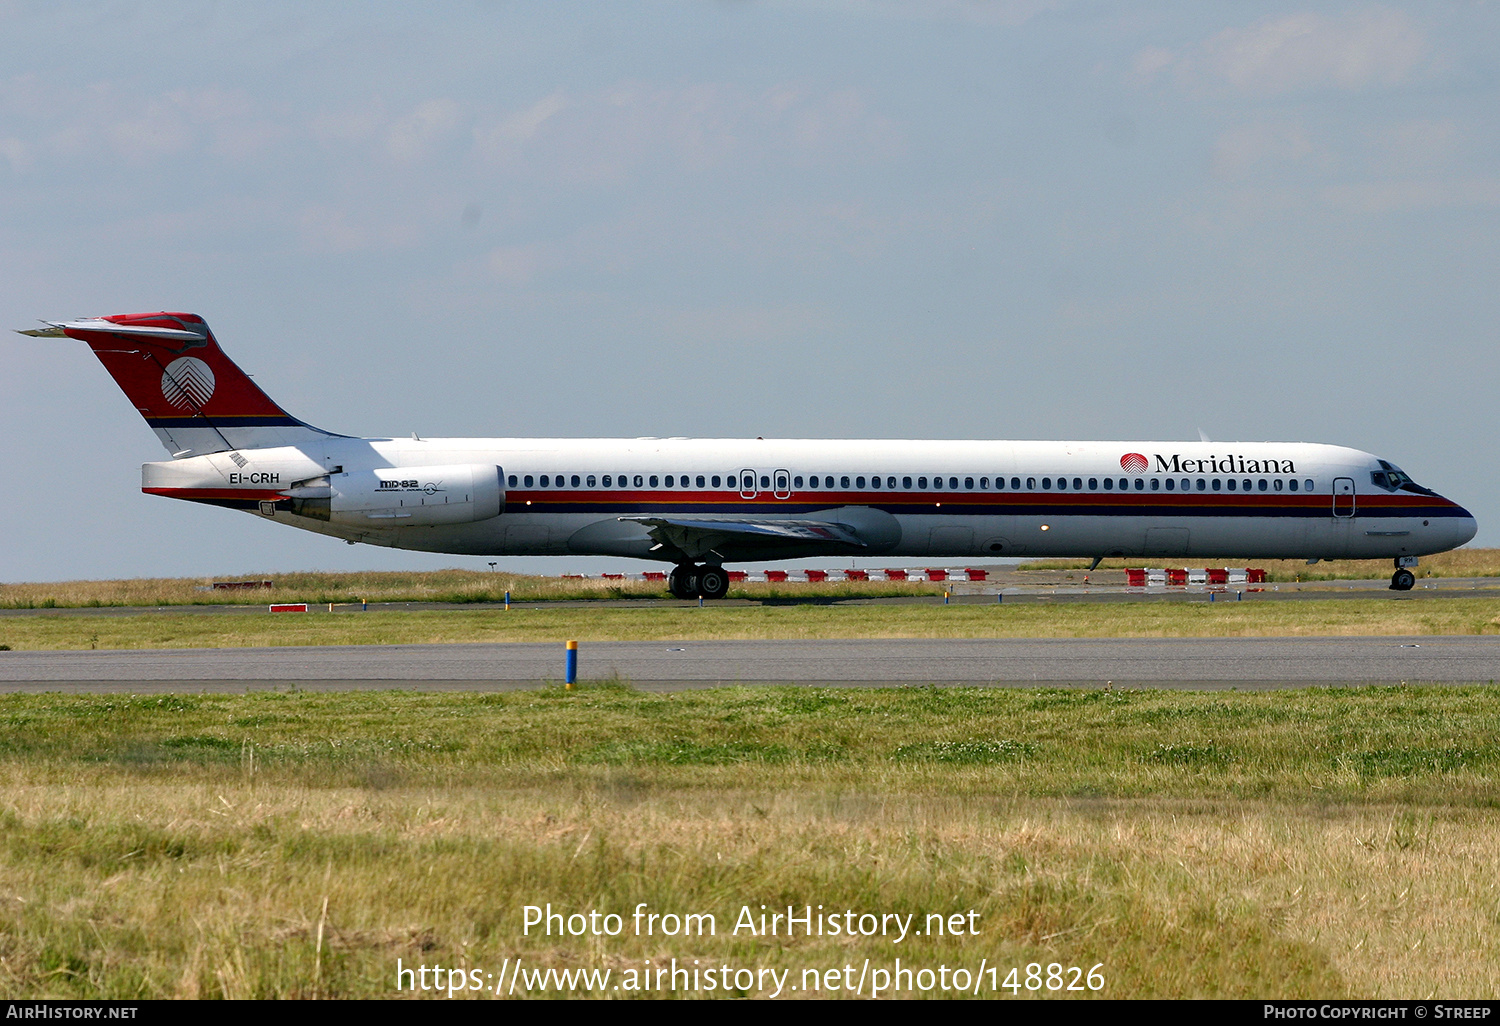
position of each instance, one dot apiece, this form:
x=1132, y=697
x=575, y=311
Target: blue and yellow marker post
x=570, y=670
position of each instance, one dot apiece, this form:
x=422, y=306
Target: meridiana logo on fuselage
x=1230, y=464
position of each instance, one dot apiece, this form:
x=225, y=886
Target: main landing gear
x=1403, y=578
x=701, y=581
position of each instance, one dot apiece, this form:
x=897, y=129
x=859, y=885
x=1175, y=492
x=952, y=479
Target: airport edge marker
x=570, y=667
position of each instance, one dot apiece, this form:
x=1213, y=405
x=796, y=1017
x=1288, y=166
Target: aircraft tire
x=682, y=582
x=713, y=582
x=1402, y=580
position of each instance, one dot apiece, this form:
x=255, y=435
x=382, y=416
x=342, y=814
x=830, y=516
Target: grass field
x=1306, y=618
x=1458, y=563
x=469, y=586
x=1319, y=843
x=452, y=586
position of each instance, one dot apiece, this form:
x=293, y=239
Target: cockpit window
x=1393, y=479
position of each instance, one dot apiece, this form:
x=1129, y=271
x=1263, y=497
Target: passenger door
x=1343, y=497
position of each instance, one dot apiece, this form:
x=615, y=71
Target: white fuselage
x=953, y=499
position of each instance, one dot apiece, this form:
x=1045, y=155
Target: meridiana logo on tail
x=188, y=382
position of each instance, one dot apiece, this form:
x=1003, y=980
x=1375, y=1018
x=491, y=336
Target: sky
x=879, y=219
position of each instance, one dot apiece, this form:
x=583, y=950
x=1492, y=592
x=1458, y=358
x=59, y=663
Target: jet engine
x=389, y=497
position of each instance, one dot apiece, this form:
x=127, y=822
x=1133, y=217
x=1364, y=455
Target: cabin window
x=527, y=480
x=969, y=483
x=953, y=483
x=544, y=481
x=1292, y=484
x=1046, y=482
x=1062, y=484
x=890, y=482
x=999, y=484
x=512, y=480
x=607, y=479
x=765, y=480
x=859, y=482
x=1202, y=485
x=874, y=482
x=921, y=482
x=1155, y=484
x=1015, y=484
x=1077, y=483
x=1140, y=484
x=592, y=481
x=906, y=482
x=701, y=482
x=1171, y=484
x=1218, y=485
x=713, y=481
x=1277, y=484
x=937, y=482
x=1109, y=484
x=844, y=482
x=1031, y=484
x=1307, y=485
x=639, y=481
x=1093, y=484
x=653, y=480
x=577, y=481
x=1263, y=485
x=1230, y=484
x=797, y=481
x=670, y=479
x=984, y=483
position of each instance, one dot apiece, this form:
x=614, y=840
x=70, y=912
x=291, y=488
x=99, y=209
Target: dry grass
x=1458, y=563
x=1319, y=844
x=450, y=586
x=1383, y=616
x=469, y=586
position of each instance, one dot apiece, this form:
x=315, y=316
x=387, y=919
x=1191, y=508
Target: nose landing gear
x=1403, y=578
x=701, y=581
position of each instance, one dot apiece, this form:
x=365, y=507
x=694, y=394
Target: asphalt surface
x=1016, y=587
x=1191, y=663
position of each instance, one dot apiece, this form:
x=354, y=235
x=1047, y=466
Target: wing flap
x=691, y=539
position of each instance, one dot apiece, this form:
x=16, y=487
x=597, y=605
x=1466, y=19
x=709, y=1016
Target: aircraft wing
x=691, y=540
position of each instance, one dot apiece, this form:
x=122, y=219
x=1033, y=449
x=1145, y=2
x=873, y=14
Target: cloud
x=632, y=126
x=1002, y=13
x=1408, y=196
x=1265, y=146
x=415, y=136
x=1350, y=52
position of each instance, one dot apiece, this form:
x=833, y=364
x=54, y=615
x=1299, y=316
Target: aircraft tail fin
x=195, y=398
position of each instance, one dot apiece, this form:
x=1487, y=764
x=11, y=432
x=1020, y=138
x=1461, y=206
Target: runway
x=1193, y=663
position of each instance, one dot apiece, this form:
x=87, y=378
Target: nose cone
x=1464, y=528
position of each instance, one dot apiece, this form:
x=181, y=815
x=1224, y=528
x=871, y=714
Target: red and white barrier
x=1138, y=577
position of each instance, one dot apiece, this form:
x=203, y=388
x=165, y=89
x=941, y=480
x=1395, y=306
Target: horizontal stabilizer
x=60, y=329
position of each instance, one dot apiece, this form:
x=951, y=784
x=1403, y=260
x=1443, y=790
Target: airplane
x=699, y=503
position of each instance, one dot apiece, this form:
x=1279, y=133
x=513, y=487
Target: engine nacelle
x=391, y=497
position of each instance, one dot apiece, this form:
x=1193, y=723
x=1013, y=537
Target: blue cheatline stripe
x=517, y=502
x=218, y=420
x=663, y=506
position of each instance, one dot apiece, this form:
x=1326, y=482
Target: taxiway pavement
x=1188, y=663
